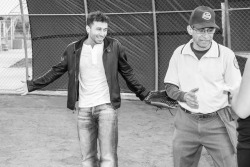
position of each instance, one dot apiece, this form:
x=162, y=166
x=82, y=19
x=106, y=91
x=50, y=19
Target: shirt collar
x=214, y=50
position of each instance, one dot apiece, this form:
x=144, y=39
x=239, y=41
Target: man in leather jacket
x=93, y=64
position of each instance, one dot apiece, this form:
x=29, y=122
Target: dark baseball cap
x=202, y=17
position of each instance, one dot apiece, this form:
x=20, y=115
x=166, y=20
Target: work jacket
x=114, y=61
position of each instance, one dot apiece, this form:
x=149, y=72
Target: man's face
x=202, y=38
x=97, y=32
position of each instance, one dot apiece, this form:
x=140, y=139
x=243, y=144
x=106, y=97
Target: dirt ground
x=38, y=131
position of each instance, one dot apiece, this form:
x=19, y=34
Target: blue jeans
x=192, y=133
x=99, y=122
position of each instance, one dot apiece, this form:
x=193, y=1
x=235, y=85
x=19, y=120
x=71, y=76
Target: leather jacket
x=114, y=61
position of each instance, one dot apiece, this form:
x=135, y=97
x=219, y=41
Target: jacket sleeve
x=50, y=76
x=128, y=74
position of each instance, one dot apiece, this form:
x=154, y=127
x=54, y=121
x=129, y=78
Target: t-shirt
x=93, y=87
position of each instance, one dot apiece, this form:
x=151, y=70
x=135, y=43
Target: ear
x=87, y=29
x=189, y=30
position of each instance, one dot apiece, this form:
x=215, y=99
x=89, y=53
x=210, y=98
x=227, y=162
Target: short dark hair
x=97, y=16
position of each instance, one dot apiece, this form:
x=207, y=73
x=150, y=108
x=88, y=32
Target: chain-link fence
x=239, y=14
x=150, y=30
x=12, y=54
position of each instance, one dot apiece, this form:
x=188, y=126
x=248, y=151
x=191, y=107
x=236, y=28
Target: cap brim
x=206, y=25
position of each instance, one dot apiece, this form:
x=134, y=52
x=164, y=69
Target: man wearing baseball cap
x=200, y=76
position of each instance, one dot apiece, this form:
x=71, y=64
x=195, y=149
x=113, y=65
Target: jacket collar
x=79, y=43
x=107, y=41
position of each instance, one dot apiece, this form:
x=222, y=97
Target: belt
x=199, y=115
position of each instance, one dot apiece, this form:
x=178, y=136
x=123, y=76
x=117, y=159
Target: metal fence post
x=227, y=24
x=25, y=40
x=0, y=35
x=86, y=10
x=156, y=45
x=223, y=23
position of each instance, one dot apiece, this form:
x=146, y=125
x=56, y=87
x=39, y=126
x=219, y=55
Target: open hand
x=23, y=90
x=191, y=98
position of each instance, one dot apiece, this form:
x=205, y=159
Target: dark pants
x=243, y=157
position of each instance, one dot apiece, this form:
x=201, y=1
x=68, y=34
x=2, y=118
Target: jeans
x=192, y=133
x=99, y=122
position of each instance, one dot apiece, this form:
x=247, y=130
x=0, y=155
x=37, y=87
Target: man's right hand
x=23, y=90
x=191, y=98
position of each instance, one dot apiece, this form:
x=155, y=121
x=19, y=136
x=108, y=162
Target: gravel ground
x=38, y=131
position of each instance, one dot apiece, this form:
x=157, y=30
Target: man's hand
x=191, y=98
x=23, y=90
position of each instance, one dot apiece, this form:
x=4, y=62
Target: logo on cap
x=206, y=16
